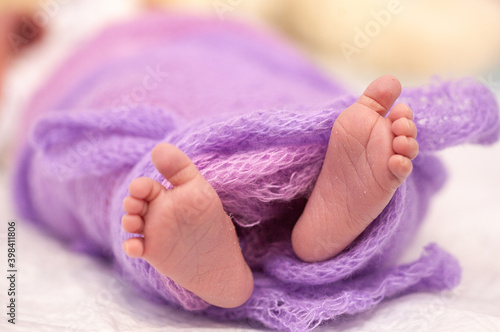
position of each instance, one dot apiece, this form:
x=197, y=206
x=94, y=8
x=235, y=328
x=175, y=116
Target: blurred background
x=352, y=41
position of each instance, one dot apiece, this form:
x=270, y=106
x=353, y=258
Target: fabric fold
x=253, y=119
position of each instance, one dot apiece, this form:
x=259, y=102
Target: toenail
x=410, y=111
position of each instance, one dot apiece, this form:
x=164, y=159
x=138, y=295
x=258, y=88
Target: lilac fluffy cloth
x=256, y=119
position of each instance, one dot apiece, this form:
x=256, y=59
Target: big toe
x=381, y=94
x=173, y=164
x=198, y=198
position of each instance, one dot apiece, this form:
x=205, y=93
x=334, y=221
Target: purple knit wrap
x=255, y=118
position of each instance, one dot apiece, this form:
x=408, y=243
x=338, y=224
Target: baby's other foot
x=187, y=235
x=368, y=157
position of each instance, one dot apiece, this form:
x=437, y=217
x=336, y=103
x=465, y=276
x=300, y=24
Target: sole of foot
x=187, y=236
x=368, y=157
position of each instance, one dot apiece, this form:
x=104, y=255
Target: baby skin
x=188, y=237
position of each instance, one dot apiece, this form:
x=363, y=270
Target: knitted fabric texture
x=255, y=118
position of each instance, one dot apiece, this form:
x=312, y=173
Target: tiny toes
x=145, y=188
x=401, y=111
x=133, y=205
x=400, y=166
x=406, y=146
x=133, y=224
x=134, y=247
x=404, y=127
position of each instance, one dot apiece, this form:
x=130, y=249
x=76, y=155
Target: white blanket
x=58, y=290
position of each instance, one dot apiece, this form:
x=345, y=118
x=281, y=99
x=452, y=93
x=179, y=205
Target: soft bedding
x=73, y=291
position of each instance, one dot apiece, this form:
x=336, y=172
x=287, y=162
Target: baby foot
x=368, y=158
x=187, y=235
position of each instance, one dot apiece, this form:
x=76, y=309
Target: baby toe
x=144, y=188
x=135, y=206
x=173, y=164
x=404, y=127
x=400, y=166
x=405, y=146
x=400, y=111
x=134, y=247
x=133, y=224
